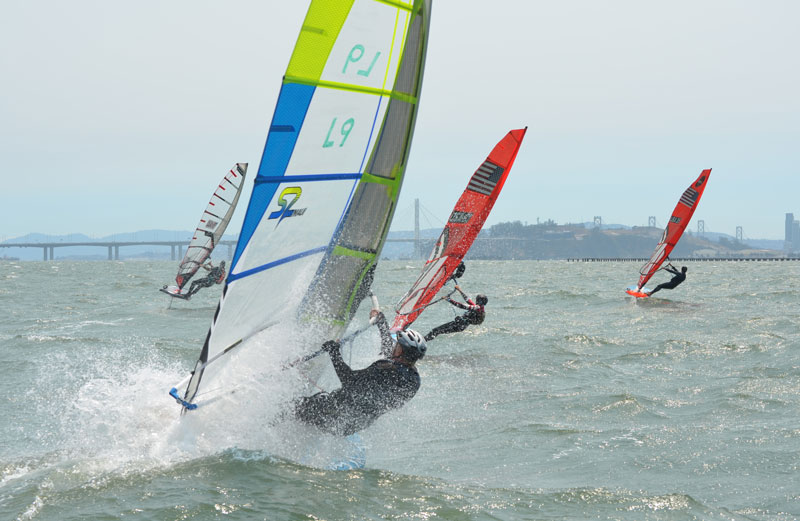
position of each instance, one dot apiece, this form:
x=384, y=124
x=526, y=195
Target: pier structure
x=727, y=258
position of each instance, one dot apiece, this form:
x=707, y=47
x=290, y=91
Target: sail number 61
x=344, y=130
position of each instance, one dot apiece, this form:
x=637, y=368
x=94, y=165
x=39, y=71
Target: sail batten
x=278, y=262
x=307, y=178
x=353, y=88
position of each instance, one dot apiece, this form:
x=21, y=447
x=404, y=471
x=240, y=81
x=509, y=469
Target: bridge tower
x=417, y=248
x=651, y=221
x=701, y=227
x=598, y=221
x=739, y=233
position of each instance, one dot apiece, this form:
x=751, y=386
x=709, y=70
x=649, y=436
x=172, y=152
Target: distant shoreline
x=504, y=241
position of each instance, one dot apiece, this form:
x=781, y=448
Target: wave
x=240, y=485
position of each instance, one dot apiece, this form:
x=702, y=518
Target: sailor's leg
x=311, y=409
x=459, y=324
x=201, y=283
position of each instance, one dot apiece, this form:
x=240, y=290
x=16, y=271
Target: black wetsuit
x=674, y=281
x=215, y=276
x=474, y=315
x=365, y=394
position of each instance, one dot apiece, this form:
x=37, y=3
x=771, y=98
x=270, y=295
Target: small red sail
x=462, y=228
x=680, y=218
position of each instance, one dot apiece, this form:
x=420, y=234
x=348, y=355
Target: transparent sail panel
x=213, y=223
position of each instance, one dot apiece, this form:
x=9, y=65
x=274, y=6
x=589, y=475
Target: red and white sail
x=680, y=218
x=212, y=223
x=462, y=228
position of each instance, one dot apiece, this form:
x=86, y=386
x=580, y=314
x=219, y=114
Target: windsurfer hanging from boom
x=367, y=393
x=216, y=274
x=679, y=277
x=474, y=315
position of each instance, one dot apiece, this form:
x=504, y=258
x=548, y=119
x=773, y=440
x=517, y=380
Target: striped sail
x=212, y=223
x=329, y=177
x=485, y=178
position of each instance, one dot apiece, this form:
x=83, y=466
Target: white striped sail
x=213, y=223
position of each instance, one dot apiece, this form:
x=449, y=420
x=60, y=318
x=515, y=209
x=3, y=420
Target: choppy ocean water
x=571, y=401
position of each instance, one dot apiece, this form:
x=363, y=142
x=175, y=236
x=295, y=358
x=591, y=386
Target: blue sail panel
x=290, y=112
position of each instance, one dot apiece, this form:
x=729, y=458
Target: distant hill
x=552, y=241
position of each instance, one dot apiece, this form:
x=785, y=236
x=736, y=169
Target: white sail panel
x=317, y=207
x=362, y=54
x=270, y=296
x=336, y=133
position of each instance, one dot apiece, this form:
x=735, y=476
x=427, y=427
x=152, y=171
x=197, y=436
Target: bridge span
x=176, y=247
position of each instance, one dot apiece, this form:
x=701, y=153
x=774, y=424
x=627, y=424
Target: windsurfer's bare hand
x=376, y=315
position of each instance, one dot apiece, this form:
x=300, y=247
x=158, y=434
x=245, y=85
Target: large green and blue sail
x=329, y=177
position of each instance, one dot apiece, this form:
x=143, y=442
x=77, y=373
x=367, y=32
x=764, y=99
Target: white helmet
x=414, y=345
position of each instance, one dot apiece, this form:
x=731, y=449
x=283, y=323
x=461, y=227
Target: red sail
x=677, y=224
x=462, y=227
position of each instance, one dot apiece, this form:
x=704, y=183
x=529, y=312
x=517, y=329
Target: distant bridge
x=113, y=246
x=177, y=246
x=48, y=248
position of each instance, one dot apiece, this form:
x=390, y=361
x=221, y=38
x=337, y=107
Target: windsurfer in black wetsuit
x=367, y=393
x=474, y=315
x=679, y=277
x=216, y=274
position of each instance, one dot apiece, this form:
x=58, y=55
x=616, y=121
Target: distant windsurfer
x=474, y=315
x=216, y=274
x=367, y=393
x=679, y=276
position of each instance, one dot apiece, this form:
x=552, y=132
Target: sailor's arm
x=343, y=370
x=466, y=297
x=457, y=303
x=387, y=344
x=458, y=288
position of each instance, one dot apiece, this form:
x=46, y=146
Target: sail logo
x=460, y=217
x=286, y=205
x=689, y=197
x=700, y=182
x=675, y=219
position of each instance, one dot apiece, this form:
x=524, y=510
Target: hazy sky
x=122, y=116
